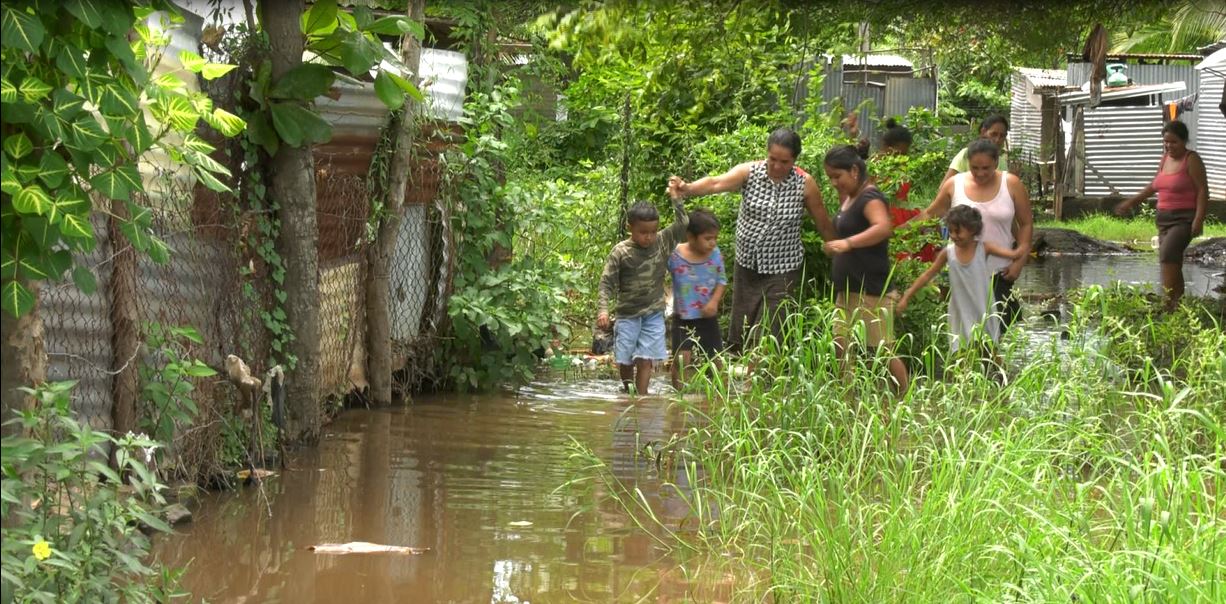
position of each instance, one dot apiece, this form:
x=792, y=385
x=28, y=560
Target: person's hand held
x=602, y=320
x=838, y=246
x=1198, y=228
x=1122, y=208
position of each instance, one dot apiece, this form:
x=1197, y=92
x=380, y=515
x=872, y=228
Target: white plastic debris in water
x=362, y=547
x=520, y=523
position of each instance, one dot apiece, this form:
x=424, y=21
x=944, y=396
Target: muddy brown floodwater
x=474, y=479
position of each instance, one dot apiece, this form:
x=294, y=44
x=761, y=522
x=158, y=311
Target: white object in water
x=1153, y=242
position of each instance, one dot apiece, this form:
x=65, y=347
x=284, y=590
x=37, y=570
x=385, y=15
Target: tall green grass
x=1137, y=229
x=1090, y=476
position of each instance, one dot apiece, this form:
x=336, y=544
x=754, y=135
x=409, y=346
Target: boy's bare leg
x=642, y=376
x=627, y=374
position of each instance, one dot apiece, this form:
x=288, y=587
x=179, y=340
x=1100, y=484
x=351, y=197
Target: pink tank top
x=997, y=215
x=1176, y=191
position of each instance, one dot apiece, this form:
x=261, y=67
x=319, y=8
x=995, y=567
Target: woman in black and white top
x=775, y=194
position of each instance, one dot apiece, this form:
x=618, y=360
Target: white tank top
x=997, y=216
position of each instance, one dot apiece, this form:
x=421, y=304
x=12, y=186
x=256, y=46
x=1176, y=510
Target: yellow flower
x=42, y=550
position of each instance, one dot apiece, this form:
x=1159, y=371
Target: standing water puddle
x=474, y=478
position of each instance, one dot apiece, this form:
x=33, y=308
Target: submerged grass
x=1137, y=229
x=1083, y=478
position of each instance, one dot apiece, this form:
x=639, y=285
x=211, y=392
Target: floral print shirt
x=694, y=282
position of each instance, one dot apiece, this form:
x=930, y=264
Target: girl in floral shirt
x=698, y=285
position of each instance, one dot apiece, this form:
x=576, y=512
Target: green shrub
x=72, y=524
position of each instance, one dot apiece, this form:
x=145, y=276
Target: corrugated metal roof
x=1044, y=78
x=877, y=60
x=1082, y=97
x=1215, y=62
x=1123, y=148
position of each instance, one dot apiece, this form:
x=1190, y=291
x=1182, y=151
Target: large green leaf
x=321, y=19
x=387, y=91
x=52, y=169
x=304, y=82
x=224, y=122
x=298, y=126
x=8, y=178
x=396, y=25
x=158, y=250
x=176, y=110
x=8, y=92
x=33, y=89
x=74, y=226
x=70, y=60
x=118, y=182
x=84, y=278
x=88, y=12
x=17, y=299
x=192, y=61
x=262, y=133
x=32, y=199
x=407, y=87
x=137, y=134
x=41, y=231
x=20, y=30
x=137, y=235
x=209, y=180
x=359, y=54
x=85, y=133
x=18, y=145
x=66, y=104
x=212, y=71
x=118, y=101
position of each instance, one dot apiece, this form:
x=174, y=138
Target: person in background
x=775, y=194
x=699, y=281
x=1183, y=198
x=634, y=276
x=861, y=258
x=1007, y=221
x=994, y=128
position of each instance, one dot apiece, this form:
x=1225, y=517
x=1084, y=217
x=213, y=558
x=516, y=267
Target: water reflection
x=1057, y=274
x=472, y=478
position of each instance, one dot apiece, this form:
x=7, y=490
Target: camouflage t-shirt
x=634, y=276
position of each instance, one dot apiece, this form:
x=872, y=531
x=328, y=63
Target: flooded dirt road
x=473, y=478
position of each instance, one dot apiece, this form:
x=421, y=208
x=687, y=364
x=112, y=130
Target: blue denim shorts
x=640, y=337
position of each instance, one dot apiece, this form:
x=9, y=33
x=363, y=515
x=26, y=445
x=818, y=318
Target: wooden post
x=125, y=323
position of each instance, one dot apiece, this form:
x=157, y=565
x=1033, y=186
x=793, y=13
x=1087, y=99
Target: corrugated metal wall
x=1123, y=147
x=1025, y=122
x=1079, y=73
x=1211, y=126
x=853, y=95
x=901, y=94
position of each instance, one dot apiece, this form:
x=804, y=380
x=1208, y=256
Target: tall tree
x=292, y=180
x=379, y=255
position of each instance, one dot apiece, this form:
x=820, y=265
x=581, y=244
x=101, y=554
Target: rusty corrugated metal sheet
x=1123, y=147
x=1145, y=75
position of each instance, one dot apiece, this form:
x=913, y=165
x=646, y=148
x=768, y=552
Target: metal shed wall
x=1079, y=73
x=1211, y=125
x=1123, y=146
x=1025, y=121
x=903, y=93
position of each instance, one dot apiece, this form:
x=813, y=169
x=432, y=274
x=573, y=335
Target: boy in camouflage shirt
x=634, y=276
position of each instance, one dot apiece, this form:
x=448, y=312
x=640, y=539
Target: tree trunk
x=125, y=323
x=379, y=255
x=292, y=187
x=23, y=361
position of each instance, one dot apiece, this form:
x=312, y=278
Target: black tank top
x=864, y=269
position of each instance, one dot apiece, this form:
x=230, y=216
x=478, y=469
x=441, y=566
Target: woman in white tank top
x=1007, y=222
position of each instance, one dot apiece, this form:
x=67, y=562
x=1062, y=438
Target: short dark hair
x=964, y=217
x=981, y=146
x=1177, y=128
x=895, y=134
x=846, y=157
x=786, y=138
x=642, y=211
x=992, y=120
x=702, y=221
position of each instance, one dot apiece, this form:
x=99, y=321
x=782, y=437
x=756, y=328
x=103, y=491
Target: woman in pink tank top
x=1003, y=201
x=1183, y=197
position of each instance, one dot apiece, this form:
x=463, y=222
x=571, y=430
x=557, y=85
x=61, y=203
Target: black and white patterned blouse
x=768, y=224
